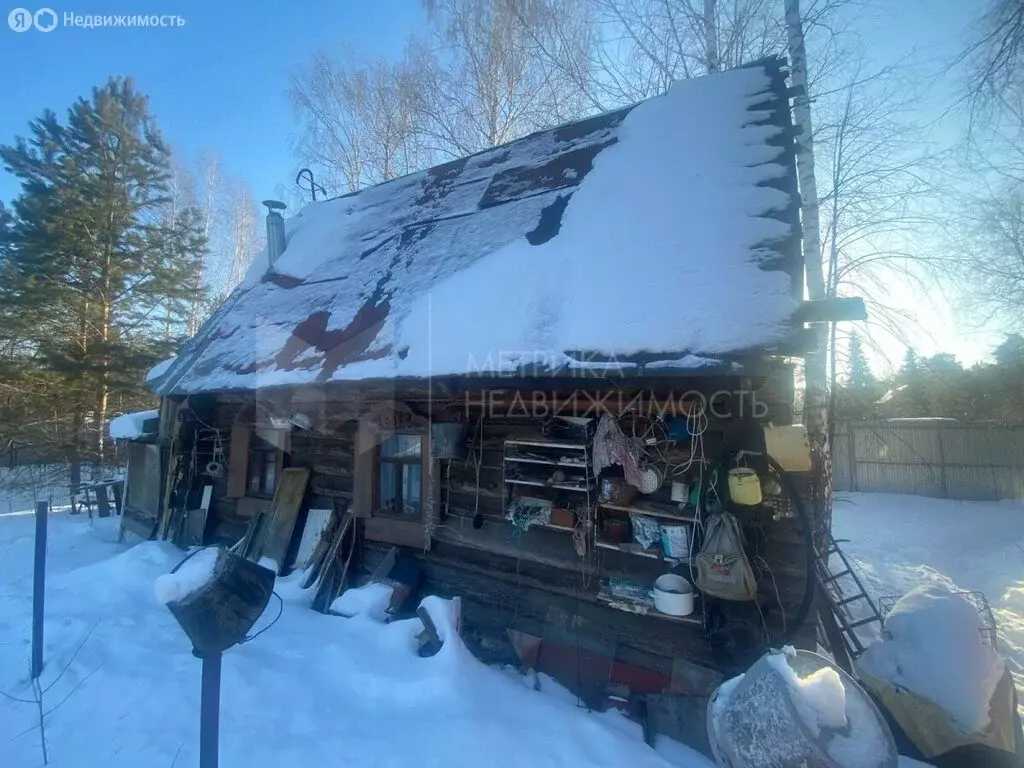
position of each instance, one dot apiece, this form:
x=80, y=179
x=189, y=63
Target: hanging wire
x=280, y=610
x=280, y=602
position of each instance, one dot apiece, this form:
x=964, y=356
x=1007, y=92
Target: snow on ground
x=22, y=487
x=899, y=542
x=122, y=686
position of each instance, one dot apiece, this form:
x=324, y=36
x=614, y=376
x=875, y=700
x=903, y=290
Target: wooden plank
x=652, y=510
x=165, y=516
x=365, y=471
x=284, y=512
x=247, y=544
x=835, y=310
x=405, y=533
x=238, y=462
x=312, y=532
x=248, y=506
x=331, y=576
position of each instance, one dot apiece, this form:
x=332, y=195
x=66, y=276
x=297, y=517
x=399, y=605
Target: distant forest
x=936, y=386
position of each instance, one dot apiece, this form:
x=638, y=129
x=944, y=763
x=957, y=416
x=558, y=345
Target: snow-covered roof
x=158, y=370
x=668, y=228
x=131, y=426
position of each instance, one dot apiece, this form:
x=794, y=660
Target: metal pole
x=209, y=712
x=39, y=588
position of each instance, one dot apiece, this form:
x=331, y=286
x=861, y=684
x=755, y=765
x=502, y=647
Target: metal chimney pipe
x=275, y=229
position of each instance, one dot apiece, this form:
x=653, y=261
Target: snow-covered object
x=159, y=369
x=796, y=708
x=313, y=690
x=931, y=644
x=129, y=426
x=194, y=574
x=654, y=228
x=819, y=698
x=371, y=600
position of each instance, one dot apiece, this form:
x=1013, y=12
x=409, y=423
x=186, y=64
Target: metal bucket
x=219, y=614
x=754, y=723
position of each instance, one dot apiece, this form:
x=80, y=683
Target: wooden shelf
x=647, y=608
x=548, y=462
x=569, y=446
x=686, y=517
x=629, y=547
x=553, y=527
x=544, y=484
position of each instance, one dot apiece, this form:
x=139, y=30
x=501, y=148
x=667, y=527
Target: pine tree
x=1011, y=350
x=860, y=372
x=99, y=268
x=911, y=378
x=911, y=364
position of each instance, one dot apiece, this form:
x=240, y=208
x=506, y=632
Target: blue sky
x=219, y=82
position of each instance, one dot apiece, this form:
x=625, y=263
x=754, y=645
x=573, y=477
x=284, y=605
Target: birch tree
x=244, y=235
x=987, y=237
x=358, y=121
x=482, y=82
x=617, y=52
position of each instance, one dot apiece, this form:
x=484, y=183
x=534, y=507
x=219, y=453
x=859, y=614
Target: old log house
x=529, y=370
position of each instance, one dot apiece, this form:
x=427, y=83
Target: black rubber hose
x=809, y=554
x=786, y=481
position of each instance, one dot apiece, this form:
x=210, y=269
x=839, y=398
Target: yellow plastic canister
x=744, y=486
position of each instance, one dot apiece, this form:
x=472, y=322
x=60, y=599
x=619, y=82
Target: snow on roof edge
x=130, y=426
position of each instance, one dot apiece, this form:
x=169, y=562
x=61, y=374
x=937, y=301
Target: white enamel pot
x=673, y=595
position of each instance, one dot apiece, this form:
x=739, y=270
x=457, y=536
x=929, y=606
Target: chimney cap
x=274, y=205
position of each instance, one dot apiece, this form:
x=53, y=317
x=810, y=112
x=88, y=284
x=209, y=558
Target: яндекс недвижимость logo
x=22, y=20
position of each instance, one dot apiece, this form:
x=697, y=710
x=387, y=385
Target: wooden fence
x=930, y=457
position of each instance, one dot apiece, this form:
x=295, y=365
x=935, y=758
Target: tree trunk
x=103, y=385
x=75, y=457
x=815, y=403
x=711, y=35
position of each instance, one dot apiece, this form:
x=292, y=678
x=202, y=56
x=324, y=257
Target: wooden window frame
x=377, y=509
x=270, y=451
x=381, y=526
x=240, y=461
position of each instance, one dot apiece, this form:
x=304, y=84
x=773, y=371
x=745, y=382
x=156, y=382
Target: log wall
x=529, y=581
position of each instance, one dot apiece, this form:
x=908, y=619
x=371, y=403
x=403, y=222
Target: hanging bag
x=722, y=566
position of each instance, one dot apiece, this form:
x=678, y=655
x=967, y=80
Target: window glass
x=388, y=490
x=399, y=470
x=411, y=488
x=263, y=462
x=401, y=447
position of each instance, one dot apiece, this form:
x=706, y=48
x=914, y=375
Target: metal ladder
x=841, y=600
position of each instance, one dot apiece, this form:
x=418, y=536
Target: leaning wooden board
x=283, y=513
x=312, y=532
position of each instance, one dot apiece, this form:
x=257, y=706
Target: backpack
x=722, y=567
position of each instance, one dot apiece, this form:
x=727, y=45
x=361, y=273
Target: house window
x=263, y=462
x=399, y=488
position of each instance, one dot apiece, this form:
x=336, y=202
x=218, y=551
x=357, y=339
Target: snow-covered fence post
x=216, y=596
x=39, y=588
x=209, y=712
